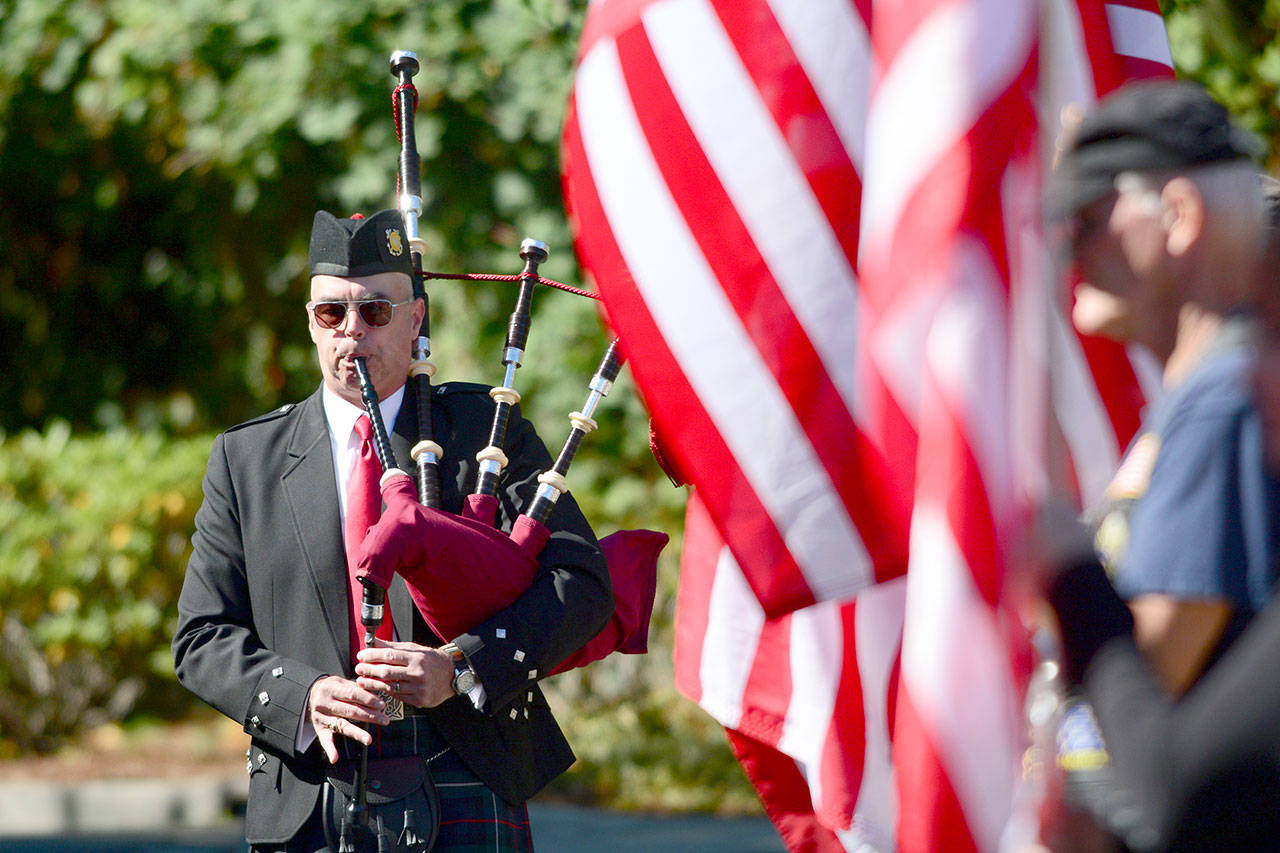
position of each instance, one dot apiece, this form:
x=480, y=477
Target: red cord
x=481, y=276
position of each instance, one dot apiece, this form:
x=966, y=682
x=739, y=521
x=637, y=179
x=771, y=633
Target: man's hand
x=417, y=675
x=335, y=704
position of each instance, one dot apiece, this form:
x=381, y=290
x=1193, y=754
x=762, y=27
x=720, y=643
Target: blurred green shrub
x=94, y=538
x=95, y=533
x=640, y=744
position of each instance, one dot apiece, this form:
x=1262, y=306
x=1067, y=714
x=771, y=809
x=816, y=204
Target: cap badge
x=395, y=245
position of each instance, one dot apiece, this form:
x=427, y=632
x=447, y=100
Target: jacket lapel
x=312, y=492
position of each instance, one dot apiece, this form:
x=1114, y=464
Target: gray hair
x=1232, y=192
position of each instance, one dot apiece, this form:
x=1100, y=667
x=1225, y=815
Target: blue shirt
x=1206, y=528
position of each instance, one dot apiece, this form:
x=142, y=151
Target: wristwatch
x=464, y=677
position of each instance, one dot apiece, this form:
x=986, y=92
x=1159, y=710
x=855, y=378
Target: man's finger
x=361, y=715
x=352, y=702
x=381, y=657
x=346, y=728
x=378, y=685
x=383, y=650
x=387, y=672
x=325, y=737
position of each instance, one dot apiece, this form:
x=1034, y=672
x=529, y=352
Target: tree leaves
x=158, y=199
x=1233, y=50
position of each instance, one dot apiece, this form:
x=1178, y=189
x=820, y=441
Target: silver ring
x=332, y=725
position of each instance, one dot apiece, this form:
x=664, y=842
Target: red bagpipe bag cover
x=460, y=569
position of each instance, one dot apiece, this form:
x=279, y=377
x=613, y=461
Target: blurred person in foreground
x=1164, y=208
x=268, y=632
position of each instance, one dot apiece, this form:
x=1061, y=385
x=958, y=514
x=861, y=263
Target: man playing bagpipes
x=270, y=613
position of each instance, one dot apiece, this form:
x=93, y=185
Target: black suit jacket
x=263, y=609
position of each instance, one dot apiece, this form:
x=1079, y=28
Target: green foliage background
x=1232, y=48
x=96, y=537
x=160, y=164
x=159, y=167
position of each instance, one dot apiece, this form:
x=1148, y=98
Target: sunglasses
x=374, y=312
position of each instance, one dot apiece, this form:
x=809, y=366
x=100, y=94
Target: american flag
x=815, y=226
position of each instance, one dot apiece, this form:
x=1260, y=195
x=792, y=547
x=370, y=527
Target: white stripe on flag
x=967, y=356
x=734, y=621
x=816, y=663
x=877, y=629
x=707, y=339
x=918, y=112
x=829, y=38
x=1066, y=73
x=1080, y=412
x=968, y=710
x=1138, y=33
x=740, y=139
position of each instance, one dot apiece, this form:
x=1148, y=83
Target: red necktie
x=364, y=505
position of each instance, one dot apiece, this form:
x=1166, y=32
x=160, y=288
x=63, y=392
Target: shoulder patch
x=269, y=416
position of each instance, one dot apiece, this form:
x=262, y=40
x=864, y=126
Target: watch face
x=463, y=681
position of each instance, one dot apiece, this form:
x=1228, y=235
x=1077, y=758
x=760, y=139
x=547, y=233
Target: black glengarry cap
x=1151, y=125
x=358, y=247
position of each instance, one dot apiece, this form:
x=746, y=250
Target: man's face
x=1119, y=247
x=387, y=349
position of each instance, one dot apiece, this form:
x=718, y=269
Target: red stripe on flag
x=1110, y=69
x=856, y=471
x=892, y=31
x=930, y=817
x=845, y=745
x=891, y=424
x=1105, y=64
x=1138, y=68
x=698, y=558
x=785, y=795
x=694, y=439
x=1117, y=383
x=768, y=689
x=799, y=115
x=609, y=19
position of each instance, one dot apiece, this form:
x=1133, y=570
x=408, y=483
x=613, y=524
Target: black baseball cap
x=1151, y=125
x=358, y=246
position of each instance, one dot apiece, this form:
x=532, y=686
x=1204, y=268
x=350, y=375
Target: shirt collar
x=342, y=415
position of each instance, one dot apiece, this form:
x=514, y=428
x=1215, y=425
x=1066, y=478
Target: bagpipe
x=461, y=569
x=426, y=544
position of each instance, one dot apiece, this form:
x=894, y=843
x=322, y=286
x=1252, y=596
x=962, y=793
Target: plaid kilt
x=472, y=816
